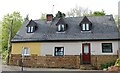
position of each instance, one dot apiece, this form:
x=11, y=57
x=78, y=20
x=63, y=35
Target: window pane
x=31, y=28
x=86, y=49
x=63, y=27
x=59, y=28
x=87, y=26
x=83, y=26
x=107, y=47
x=28, y=29
x=59, y=51
x=25, y=51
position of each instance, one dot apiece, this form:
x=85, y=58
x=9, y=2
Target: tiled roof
x=103, y=28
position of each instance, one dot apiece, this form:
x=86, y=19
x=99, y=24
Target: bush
x=4, y=57
x=117, y=63
x=106, y=65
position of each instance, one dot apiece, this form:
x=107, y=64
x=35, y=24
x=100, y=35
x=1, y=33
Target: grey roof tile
x=103, y=27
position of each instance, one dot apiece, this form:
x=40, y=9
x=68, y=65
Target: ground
x=16, y=69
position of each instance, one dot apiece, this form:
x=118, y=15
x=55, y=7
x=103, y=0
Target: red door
x=86, y=53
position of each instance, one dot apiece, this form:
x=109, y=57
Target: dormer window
x=86, y=24
x=85, y=27
x=31, y=26
x=61, y=28
x=30, y=29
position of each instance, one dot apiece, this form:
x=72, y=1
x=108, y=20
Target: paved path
x=16, y=69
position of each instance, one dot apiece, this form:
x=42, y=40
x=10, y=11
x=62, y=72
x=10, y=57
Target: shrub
x=106, y=65
x=117, y=63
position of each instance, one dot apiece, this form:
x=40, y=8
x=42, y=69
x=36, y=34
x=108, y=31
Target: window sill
x=60, y=32
x=26, y=55
x=86, y=31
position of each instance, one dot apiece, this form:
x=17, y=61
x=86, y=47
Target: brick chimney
x=49, y=17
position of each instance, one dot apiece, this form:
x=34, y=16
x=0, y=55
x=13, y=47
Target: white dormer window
x=61, y=28
x=30, y=29
x=85, y=27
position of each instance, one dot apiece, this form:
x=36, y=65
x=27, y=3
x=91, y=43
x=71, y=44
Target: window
x=107, y=47
x=30, y=29
x=61, y=28
x=59, y=51
x=86, y=48
x=25, y=51
x=85, y=27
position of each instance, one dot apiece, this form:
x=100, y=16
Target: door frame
x=89, y=47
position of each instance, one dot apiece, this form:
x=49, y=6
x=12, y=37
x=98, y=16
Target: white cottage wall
x=75, y=48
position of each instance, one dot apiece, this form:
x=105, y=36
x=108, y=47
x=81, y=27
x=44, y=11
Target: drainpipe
x=80, y=58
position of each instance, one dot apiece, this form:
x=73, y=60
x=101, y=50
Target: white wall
x=75, y=48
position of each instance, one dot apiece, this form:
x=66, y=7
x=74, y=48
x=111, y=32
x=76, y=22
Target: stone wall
x=119, y=53
x=97, y=60
x=67, y=61
x=47, y=61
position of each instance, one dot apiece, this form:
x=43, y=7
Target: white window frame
x=31, y=28
x=83, y=26
x=60, y=52
x=63, y=27
x=25, y=51
x=87, y=27
x=28, y=30
x=59, y=28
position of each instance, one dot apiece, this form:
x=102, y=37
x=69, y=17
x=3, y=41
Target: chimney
x=49, y=18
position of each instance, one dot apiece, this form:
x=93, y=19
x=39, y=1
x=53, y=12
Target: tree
x=98, y=13
x=60, y=15
x=43, y=16
x=78, y=11
x=10, y=25
x=117, y=21
x=27, y=17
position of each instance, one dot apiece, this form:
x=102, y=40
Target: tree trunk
x=9, y=43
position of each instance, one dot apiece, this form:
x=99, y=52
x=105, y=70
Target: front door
x=86, y=53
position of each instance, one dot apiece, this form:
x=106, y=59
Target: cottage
x=73, y=41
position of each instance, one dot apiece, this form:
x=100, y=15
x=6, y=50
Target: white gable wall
x=75, y=48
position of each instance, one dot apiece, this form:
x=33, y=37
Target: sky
x=34, y=8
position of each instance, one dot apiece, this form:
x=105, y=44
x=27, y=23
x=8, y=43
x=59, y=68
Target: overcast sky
x=35, y=7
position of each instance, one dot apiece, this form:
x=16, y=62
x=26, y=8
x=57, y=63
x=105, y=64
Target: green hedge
x=106, y=65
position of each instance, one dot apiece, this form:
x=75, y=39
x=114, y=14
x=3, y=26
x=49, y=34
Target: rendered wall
x=75, y=48
x=34, y=48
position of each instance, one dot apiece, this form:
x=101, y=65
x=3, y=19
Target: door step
x=87, y=67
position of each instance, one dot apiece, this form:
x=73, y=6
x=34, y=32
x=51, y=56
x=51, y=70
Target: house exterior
x=67, y=42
